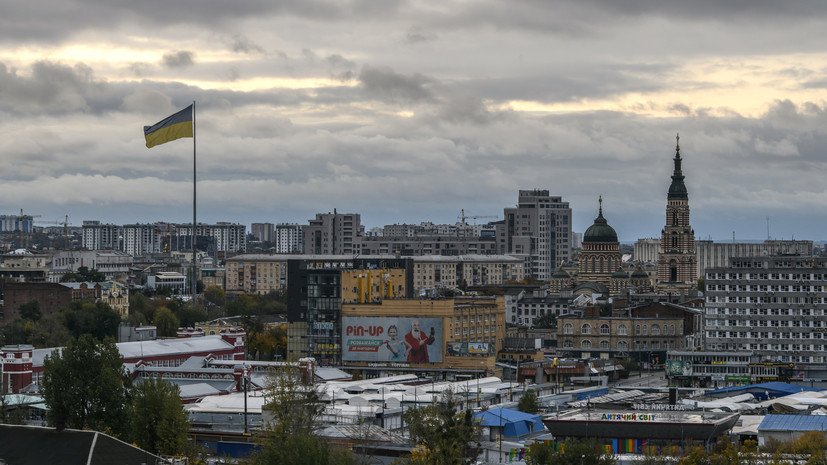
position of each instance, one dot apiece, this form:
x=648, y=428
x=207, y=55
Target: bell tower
x=677, y=263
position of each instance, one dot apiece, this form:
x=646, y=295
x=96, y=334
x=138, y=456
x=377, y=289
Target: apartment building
x=333, y=234
x=539, y=227
x=775, y=307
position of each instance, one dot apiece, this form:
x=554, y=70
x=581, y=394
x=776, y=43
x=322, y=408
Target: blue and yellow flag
x=170, y=128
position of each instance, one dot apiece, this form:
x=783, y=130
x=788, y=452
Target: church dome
x=560, y=274
x=600, y=231
x=640, y=274
x=620, y=274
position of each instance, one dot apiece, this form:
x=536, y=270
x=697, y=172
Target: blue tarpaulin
x=514, y=422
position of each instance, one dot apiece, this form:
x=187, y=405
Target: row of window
x=621, y=345
x=622, y=330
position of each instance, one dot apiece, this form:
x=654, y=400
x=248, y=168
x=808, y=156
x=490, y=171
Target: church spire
x=677, y=190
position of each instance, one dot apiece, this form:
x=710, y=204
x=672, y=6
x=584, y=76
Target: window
x=622, y=345
x=585, y=344
x=655, y=330
x=586, y=329
x=622, y=330
x=568, y=328
x=637, y=330
x=604, y=344
x=604, y=329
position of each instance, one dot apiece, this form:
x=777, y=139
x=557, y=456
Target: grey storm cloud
x=242, y=44
x=178, y=59
x=385, y=84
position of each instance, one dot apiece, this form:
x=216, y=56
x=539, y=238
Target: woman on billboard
x=398, y=348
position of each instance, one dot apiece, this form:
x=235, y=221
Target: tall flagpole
x=194, y=222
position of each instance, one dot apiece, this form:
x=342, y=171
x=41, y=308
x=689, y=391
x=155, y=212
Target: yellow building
x=436, y=271
x=374, y=285
x=116, y=296
x=444, y=337
x=257, y=273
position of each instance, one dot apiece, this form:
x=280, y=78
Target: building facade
x=289, y=238
x=677, y=263
x=461, y=336
x=538, y=227
x=97, y=236
x=112, y=264
x=264, y=232
x=320, y=285
x=644, y=333
x=772, y=306
x=333, y=234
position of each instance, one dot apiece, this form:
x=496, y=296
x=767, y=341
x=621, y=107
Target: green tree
x=295, y=406
x=547, y=321
x=85, y=386
x=157, y=418
x=95, y=318
x=30, y=311
x=83, y=274
x=18, y=331
x=528, y=403
x=166, y=323
x=189, y=314
x=50, y=331
x=444, y=435
x=214, y=295
x=575, y=453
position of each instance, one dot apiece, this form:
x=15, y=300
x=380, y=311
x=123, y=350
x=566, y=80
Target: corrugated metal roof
x=794, y=423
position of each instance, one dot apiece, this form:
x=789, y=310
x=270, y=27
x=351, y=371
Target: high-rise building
x=263, y=231
x=538, y=227
x=333, y=234
x=677, y=264
x=97, y=236
x=289, y=238
x=772, y=306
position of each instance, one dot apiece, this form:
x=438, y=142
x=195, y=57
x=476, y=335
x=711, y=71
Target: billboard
x=392, y=339
x=678, y=368
x=470, y=348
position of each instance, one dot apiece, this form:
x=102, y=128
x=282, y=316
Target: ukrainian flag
x=170, y=128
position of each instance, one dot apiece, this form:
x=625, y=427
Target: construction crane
x=20, y=227
x=462, y=217
x=66, y=225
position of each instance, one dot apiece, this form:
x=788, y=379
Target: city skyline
x=406, y=112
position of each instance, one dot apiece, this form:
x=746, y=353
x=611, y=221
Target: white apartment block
x=97, y=236
x=111, y=263
x=775, y=307
x=289, y=238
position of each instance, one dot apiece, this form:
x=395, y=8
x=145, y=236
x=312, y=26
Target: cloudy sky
x=409, y=111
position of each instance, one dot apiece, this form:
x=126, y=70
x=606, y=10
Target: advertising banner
x=392, y=339
x=678, y=368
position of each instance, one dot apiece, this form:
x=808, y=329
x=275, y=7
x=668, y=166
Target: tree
x=444, y=436
x=166, y=323
x=30, y=311
x=295, y=405
x=189, y=314
x=547, y=321
x=214, y=295
x=575, y=453
x=95, y=318
x=157, y=417
x=18, y=331
x=528, y=403
x=83, y=274
x=85, y=386
x=50, y=331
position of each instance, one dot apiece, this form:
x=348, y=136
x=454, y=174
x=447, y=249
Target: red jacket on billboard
x=418, y=343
